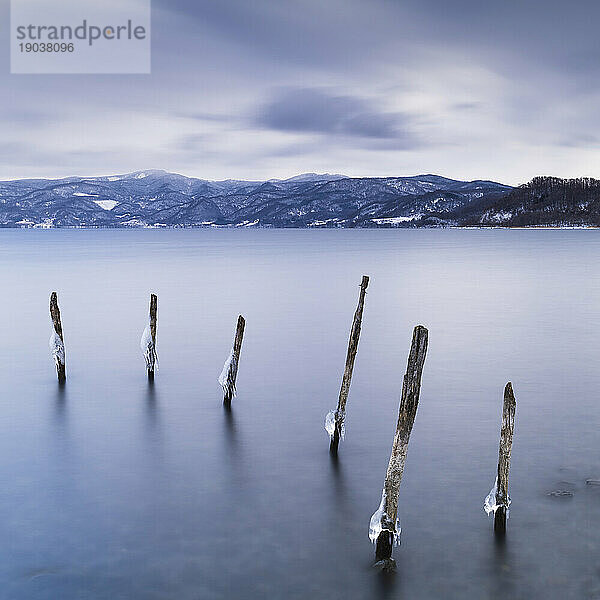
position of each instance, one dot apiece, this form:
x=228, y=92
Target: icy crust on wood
x=393, y=479
x=57, y=349
x=227, y=376
x=491, y=503
x=380, y=521
x=148, y=349
x=330, y=420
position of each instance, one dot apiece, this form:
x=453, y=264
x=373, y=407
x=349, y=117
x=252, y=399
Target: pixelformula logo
x=81, y=36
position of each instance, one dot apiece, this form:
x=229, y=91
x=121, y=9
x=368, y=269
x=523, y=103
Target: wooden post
x=336, y=419
x=148, y=342
x=230, y=368
x=384, y=530
x=57, y=341
x=506, y=438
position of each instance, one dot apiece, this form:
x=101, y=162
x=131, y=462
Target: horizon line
x=271, y=179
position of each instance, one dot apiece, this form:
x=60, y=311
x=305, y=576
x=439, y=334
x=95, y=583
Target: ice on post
x=57, y=349
x=330, y=421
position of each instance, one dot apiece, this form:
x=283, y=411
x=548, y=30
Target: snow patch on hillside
x=500, y=217
x=106, y=204
x=396, y=220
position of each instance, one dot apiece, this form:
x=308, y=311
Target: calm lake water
x=111, y=489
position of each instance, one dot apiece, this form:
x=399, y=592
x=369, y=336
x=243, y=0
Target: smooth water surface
x=112, y=489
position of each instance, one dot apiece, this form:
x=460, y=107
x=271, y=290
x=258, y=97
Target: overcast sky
x=256, y=89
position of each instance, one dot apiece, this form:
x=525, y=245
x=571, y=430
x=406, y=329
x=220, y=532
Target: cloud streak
x=314, y=110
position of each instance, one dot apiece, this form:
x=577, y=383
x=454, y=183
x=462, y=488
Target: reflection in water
x=60, y=402
x=502, y=573
x=152, y=423
x=387, y=585
x=233, y=454
x=337, y=477
x=230, y=429
x=151, y=404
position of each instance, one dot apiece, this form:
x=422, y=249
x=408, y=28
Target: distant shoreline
x=305, y=228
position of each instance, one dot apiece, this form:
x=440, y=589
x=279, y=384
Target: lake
x=114, y=489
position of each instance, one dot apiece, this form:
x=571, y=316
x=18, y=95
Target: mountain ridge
x=156, y=198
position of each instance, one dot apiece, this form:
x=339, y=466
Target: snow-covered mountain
x=158, y=198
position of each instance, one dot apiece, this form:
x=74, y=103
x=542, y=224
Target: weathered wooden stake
x=383, y=528
x=339, y=415
x=57, y=341
x=506, y=438
x=148, y=342
x=230, y=368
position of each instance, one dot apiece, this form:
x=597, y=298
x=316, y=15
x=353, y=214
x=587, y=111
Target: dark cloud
x=314, y=110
